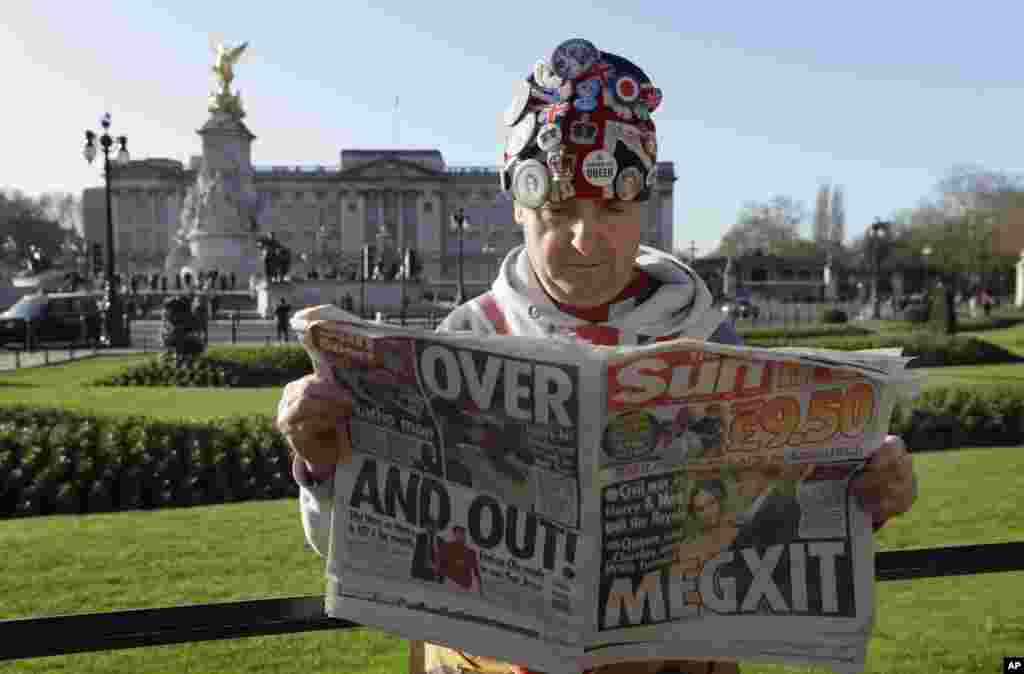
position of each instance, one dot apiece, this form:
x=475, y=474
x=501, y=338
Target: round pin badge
x=514, y=111
x=531, y=184
x=574, y=57
x=585, y=104
x=521, y=135
x=629, y=183
x=651, y=95
x=549, y=137
x=599, y=168
x=626, y=89
x=545, y=76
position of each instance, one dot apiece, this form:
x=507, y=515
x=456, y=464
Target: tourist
x=283, y=312
x=580, y=272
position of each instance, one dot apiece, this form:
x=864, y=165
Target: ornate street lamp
x=460, y=222
x=878, y=234
x=114, y=329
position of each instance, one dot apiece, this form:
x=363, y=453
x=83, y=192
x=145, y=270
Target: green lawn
x=129, y=560
x=1011, y=374
x=66, y=386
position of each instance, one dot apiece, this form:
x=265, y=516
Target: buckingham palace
x=325, y=214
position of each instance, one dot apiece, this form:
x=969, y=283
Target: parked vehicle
x=51, y=317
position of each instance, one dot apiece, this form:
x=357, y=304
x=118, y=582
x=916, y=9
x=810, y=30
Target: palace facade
x=394, y=199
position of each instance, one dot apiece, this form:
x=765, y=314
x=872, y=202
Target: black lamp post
x=460, y=219
x=878, y=233
x=926, y=252
x=114, y=329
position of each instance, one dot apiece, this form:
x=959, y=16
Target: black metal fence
x=25, y=638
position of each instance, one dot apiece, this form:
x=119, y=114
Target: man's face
x=707, y=508
x=582, y=250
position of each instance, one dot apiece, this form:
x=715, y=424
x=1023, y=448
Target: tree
x=968, y=187
x=763, y=226
x=27, y=221
x=65, y=209
x=957, y=223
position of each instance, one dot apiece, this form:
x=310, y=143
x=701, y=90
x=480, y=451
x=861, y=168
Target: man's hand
x=313, y=416
x=888, y=486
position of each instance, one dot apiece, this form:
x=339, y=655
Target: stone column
x=831, y=282
x=1019, y=295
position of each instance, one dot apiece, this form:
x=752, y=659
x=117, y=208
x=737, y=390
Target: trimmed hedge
x=834, y=316
x=807, y=332
x=946, y=418
x=991, y=323
x=230, y=367
x=929, y=350
x=55, y=461
x=59, y=462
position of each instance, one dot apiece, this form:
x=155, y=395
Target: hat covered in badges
x=580, y=126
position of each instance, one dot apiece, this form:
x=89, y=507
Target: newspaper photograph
x=565, y=506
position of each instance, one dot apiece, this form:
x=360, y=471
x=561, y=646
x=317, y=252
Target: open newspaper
x=564, y=506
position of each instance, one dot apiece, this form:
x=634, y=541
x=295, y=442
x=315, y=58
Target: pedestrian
x=283, y=313
x=200, y=310
x=581, y=272
x=986, y=302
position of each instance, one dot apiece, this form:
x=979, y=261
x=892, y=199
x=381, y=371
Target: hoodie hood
x=679, y=307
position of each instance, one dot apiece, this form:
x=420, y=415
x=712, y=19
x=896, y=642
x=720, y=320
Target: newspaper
x=564, y=506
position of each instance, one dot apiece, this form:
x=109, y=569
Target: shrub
x=952, y=417
x=990, y=323
x=834, y=316
x=63, y=462
x=928, y=350
x=916, y=313
x=804, y=332
x=219, y=367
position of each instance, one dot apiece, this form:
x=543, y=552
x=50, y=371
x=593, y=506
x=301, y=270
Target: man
x=199, y=310
x=282, y=312
x=581, y=272
x=771, y=517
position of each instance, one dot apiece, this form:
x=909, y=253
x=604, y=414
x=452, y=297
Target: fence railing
x=24, y=638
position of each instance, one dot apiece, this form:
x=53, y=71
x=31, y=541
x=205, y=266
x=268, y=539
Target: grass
x=973, y=375
x=114, y=561
x=66, y=386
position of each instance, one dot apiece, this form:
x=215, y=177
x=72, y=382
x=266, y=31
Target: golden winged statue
x=223, y=101
x=223, y=67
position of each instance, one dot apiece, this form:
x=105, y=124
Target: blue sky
x=760, y=98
